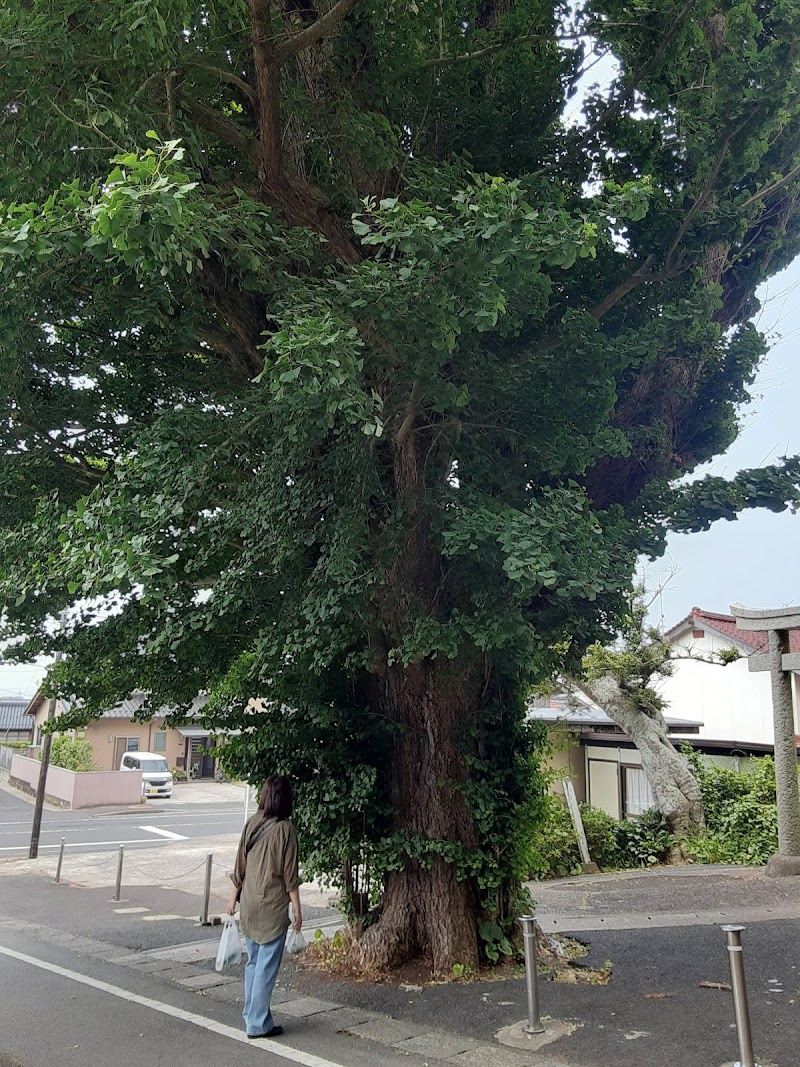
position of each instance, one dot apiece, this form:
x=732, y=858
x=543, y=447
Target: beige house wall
x=567, y=761
x=102, y=734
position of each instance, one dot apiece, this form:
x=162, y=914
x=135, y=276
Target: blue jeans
x=260, y=973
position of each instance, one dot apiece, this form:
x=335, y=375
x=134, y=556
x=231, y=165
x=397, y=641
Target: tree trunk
x=676, y=789
x=427, y=909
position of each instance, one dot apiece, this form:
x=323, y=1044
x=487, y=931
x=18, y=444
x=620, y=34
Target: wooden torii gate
x=780, y=662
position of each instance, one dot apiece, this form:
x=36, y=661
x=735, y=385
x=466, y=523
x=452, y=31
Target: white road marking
x=129, y=911
x=275, y=1048
x=97, y=845
x=161, y=918
x=164, y=833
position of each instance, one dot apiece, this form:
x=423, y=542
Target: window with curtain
x=637, y=796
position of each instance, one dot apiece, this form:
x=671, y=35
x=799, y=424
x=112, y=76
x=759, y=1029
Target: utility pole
x=40, y=785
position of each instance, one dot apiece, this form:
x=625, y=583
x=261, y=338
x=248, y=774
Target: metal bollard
x=60, y=861
x=740, y=1006
x=207, y=892
x=534, y=1024
x=118, y=887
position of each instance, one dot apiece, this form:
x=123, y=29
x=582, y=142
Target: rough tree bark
x=427, y=911
x=676, y=790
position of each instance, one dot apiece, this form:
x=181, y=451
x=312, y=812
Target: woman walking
x=265, y=880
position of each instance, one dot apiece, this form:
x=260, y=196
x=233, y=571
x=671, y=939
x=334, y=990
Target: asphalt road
x=153, y=824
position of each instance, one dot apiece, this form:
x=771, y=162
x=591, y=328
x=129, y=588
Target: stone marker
x=780, y=662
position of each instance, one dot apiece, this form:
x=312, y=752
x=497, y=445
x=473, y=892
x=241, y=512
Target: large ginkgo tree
x=350, y=355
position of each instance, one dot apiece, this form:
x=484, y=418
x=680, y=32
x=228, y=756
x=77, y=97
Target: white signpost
x=780, y=662
x=587, y=864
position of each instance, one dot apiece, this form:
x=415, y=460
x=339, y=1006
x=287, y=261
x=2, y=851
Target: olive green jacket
x=265, y=876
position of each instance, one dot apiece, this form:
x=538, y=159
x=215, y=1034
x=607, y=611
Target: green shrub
x=73, y=754
x=554, y=850
x=741, y=826
x=612, y=845
x=741, y=812
x=601, y=829
x=644, y=841
x=15, y=744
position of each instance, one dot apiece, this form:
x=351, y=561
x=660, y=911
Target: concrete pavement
x=172, y=866
x=657, y=1008
x=664, y=897
x=318, y=1032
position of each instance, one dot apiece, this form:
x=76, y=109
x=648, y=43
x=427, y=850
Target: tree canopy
x=350, y=355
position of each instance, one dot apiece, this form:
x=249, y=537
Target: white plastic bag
x=229, y=952
x=295, y=942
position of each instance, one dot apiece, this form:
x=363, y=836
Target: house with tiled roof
x=723, y=712
x=604, y=765
x=187, y=748
x=733, y=703
x=15, y=725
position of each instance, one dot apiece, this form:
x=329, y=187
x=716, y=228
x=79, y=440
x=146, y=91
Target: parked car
x=156, y=775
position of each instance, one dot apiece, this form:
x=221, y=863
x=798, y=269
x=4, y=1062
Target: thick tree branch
x=227, y=76
x=499, y=46
x=489, y=50
x=229, y=132
x=411, y=414
x=705, y=192
x=642, y=274
x=73, y=459
x=266, y=72
x=241, y=313
x=313, y=33
x=772, y=187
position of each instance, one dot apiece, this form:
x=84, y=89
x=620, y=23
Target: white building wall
x=732, y=703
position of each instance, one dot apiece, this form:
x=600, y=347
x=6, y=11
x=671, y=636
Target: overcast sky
x=754, y=560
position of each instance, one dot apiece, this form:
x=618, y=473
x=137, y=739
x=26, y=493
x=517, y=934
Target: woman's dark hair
x=276, y=797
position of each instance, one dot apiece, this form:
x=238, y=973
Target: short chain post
x=534, y=1024
x=739, y=987
x=207, y=891
x=118, y=888
x=60, y=861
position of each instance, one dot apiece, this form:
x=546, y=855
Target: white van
x=156, y=775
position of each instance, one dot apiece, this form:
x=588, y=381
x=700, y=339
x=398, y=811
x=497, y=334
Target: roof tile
x=726, y=624
x=12, y=714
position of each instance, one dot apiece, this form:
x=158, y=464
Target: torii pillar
x=780, y=662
